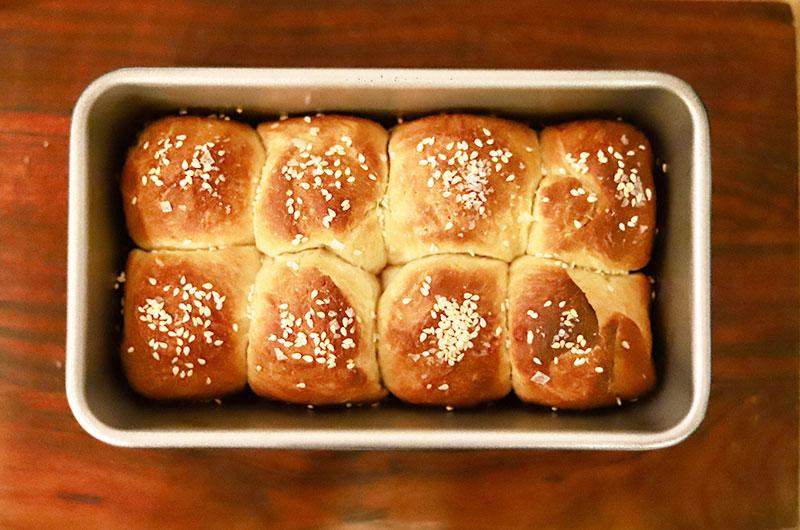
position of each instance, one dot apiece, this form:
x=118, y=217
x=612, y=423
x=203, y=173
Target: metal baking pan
x=114, y=107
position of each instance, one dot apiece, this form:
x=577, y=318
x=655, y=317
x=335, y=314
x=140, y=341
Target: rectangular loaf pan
x=114, y=107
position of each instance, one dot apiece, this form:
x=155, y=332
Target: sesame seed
x=300, y=385
x=174, y=323
x=598, y=369
x=448, y=408
x=457, y=325
x=626, y=345
x=444, y=386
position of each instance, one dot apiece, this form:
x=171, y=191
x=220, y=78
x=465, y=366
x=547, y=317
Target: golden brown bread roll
x=185, y=321
x=578, y=339
x=321, y=185
x=189, y=182
x=596, y=203
x=460, y=183
x=441, y=325
x=312, y=339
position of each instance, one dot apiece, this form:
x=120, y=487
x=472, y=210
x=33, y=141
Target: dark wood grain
x=739, y=470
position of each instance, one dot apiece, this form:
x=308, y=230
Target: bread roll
x=185, y=321
x=460, y=183
x=596, y=204
x=312, y=339
x=441, y=323
x=189, y=182
x=579, y=339
x=322, y=182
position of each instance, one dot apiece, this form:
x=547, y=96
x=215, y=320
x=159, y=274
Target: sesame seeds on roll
x=441, y=322
x=312, y=335
x=185, y=321
x=578, y=339
x=595, y=206
x=460, y=183
x=322, y=181
x=189, y=182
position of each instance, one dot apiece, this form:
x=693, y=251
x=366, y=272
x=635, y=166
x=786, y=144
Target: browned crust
x=308, y=290
x=217, y=368
x=430, y=214
x=352, y=149
x=599, y=213
x=580, y=159
x=610, y=370
x=212, y=211
x=404, y=312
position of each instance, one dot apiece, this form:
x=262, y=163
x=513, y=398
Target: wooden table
x=740, y=470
